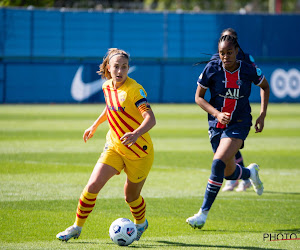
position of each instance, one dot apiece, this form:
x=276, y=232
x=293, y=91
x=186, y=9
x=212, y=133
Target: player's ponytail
x=230, y=38
x=205, y=62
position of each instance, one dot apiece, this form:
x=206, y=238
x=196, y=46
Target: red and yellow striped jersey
x=125, y=106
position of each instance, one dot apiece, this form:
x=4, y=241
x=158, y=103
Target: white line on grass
x=53, y=163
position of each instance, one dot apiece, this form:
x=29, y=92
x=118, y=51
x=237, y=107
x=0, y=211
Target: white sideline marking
x=53, y=163
x=266, y=172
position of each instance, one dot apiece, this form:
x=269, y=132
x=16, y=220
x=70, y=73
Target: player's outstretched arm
x=89, y=133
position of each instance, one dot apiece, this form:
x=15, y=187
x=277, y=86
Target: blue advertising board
x=52, y=56
x=164, y=82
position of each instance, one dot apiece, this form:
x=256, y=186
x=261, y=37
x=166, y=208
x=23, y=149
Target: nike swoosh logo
x=81, y=91
x=234, y=133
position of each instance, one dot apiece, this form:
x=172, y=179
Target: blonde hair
x=103, y=71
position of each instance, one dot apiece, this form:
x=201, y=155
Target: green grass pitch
x=44, y=165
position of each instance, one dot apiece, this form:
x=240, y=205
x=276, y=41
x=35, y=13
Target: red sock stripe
x=138, y=211
x=142, y=203
x=89, y=199
x=85, y=205
x=84, y=212
x=215, y=183
x=81, y=217
x=141, y=216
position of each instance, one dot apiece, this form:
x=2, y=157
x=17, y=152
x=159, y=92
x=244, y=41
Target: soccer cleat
x=244, y=184
x=141, y=230
x=230, y=185
x=254, y=178
x=197, y=221
x=71, y=232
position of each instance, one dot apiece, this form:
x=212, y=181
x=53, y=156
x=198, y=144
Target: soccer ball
x=122, y=231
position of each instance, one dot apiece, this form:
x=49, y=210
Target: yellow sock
x=85, y=206
x=138, y=210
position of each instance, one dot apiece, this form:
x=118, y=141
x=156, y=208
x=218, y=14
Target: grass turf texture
x=44, y=165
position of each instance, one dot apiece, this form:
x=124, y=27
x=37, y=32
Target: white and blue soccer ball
x=122, y=232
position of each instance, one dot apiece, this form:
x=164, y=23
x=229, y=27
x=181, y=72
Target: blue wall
x=42, y=50
x=172, y=82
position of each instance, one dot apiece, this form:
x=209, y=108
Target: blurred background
x=50, y=50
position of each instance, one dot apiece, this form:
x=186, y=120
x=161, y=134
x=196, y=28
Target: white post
x=272, y=6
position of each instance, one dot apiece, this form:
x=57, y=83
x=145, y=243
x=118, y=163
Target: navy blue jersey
x=230, y=91
x=240, y=56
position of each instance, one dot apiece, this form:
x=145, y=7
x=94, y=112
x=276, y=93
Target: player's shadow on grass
x=109, y=244
x=180, y=244
x=274, y=192
x=79, y=242
x=293, y=230
x=133, y=245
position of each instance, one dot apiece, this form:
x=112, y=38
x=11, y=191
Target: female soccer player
x=128, y=144
x=229, y=118
x=231, y=184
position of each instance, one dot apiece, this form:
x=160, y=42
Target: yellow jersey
x=125, y=106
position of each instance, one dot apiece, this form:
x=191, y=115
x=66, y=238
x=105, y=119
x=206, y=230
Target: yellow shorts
x=136, y=170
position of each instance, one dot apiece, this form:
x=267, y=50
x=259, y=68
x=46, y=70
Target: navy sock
x=239, y=173
x=239, y=159
x=214, y=184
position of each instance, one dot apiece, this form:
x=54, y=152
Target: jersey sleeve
x=205, y=77
x=140, y=100
x=258, y=76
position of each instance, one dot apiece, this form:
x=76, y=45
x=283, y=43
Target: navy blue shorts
x=233, y=131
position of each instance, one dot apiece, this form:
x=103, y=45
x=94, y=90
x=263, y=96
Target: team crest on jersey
x=122, y=97
x=142, y=93
x=239, y=82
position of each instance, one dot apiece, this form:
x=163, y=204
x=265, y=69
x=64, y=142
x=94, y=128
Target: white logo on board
x=81, y=91
x=285, y=83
